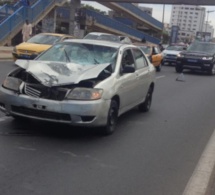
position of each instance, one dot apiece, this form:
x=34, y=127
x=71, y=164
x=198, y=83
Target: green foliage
x=6, y=2
x=94, y=9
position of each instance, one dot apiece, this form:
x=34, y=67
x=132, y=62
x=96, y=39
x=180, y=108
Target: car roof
x=97, y=42
x=99, y=33
x=55, y=34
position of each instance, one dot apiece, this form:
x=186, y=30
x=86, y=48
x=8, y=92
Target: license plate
x=25, y=56
x=192, y=60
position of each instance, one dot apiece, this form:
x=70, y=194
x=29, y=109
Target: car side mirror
x=128, y=69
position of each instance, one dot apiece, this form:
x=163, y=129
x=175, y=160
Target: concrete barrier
x=6, y=53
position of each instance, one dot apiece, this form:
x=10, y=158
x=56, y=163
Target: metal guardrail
x=134, y=9
x=114, y=24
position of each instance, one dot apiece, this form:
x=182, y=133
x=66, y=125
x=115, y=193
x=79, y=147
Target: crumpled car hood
x=59, y=73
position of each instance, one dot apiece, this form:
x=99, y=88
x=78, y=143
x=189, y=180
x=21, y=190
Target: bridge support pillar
x=74, y=5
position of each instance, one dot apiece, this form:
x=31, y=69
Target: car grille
x=171, y=55
x=31, y=91
x=41, y=113
x=41, y=91
x=193, y=56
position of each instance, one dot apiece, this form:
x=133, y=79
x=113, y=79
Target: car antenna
x=181, y=77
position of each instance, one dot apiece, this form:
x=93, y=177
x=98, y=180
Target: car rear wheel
x=111, y=119
x=178, y=68
x=146, y=105
x=158, y=68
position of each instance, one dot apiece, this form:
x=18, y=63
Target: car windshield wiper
x=96, y=61
x=66, y=54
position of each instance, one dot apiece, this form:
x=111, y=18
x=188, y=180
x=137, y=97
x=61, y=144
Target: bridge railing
x=113, y=24
x=12, y=22
x=17, y=14
x=135, y=10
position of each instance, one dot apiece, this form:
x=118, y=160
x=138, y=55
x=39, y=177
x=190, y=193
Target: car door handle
x=137, y=76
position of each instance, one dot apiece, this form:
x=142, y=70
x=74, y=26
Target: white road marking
x=200, y=179
x=25, y=148
x=160, y=77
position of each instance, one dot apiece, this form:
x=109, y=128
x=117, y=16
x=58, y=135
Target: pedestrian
x=161, y=46
x=26, y=31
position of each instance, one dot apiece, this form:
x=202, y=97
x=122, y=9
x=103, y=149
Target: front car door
x=142, y=73
x=127, y=84
x=156, y=56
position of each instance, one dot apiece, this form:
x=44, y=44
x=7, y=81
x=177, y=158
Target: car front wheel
x=146, y=105
x=212, y=70
x=111, y=119
x=158, y=68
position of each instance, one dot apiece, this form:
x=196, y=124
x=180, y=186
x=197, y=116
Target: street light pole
x=163, y=23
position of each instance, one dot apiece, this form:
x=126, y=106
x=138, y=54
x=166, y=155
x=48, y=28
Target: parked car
x=108, y=37
x=80, y=82
x=37, y=44
x=199, y=56
x=171, y=52
x=154, y=54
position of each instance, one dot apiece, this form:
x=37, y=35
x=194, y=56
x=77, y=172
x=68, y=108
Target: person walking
x=26, y=31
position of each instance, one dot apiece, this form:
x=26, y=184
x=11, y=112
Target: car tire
x=146, y=105
x=212, y=70
x=111, y=119
x=178, y=68
x=158, y=68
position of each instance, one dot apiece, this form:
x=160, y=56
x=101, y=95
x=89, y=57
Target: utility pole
x=162, y=37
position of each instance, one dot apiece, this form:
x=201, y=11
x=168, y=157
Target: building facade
x=190, y=19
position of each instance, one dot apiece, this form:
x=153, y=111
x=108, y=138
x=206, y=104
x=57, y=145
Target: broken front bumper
x=83, y=113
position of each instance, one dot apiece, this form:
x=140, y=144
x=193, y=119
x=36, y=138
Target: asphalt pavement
x=5, y=54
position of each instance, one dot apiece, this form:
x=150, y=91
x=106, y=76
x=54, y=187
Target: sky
x=157, y=12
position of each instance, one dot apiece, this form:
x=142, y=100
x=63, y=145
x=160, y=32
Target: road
x=151, y=153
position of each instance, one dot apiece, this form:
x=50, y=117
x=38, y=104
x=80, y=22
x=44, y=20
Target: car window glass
x=127, y=58
x=140, y=59
x=44, y=39
x=80, y=53
x=202, y=47
x=156, y=50
x=146, y=49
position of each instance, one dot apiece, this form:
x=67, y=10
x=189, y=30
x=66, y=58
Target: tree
x=94, y=9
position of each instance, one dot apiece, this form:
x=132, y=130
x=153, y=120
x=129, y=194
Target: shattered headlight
x=12, y=83
x=85, y=94
x=207, y=58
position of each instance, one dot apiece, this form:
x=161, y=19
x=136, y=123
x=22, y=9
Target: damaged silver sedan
x=80, y=82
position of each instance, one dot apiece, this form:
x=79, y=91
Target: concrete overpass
x=190, y=2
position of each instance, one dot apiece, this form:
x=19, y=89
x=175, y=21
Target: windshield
x=175, y=47
x=202, y=47
x=103, y=37
x=146, y=49
x=44, y=39
x=80, y=53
